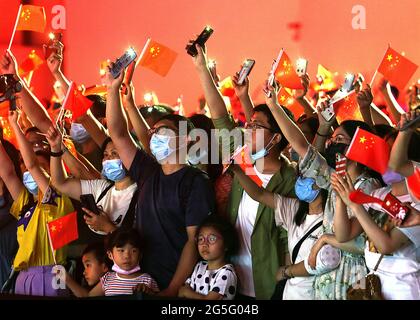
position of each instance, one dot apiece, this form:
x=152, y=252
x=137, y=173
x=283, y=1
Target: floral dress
x=333, y=285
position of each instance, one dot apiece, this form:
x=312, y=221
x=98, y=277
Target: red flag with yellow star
x=396, y=68
x=286, y=100
x=30, y=64
x=158, y=58
x=370, y=150
x=32, y=18
x=76, y=102
x=325, y=80
x=348, y=109
x=286, y=74
x=63, y=230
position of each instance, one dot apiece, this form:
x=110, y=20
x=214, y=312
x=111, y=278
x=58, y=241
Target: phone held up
x=122, y=62
x=48, y=47
x=201, y=40
x=245, y=70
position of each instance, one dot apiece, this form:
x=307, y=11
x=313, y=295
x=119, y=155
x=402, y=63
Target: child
x=95, y=263
x=124, y=249
x=213, y=278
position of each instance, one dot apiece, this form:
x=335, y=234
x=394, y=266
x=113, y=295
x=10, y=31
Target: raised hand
x=241, y=90
x=301, y=93
x=406, y=118
x=343, y=187
x=324, y=125
x=365, y=98
x=273, y=90
x=98, y=222
x=55, y=60
x=14, y=118
x=200, y=60
x=110, y=82
x=55, y=139
x=8, y=63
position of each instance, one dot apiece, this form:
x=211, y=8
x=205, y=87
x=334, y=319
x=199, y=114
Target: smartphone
x=88, y=202
x=301, y=66
x=348, y=82
x=201, y=40
x=245, y=70
x=47, y=47
x=328, y=113
x=340, y=165
x=410, y=123
x=122, y=62
x=272, y=74
x=394, y=207
x=128, y=77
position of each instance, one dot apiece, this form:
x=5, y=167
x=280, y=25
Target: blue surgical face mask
x=78, y=133
x=113, y=169
x=304, y=190
x=159, y=146
x=390, y=177
x=263, y=152
x=29, y=183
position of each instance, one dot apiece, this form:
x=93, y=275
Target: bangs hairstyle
x=226, y=229
x=121, y=237
x=177, y=120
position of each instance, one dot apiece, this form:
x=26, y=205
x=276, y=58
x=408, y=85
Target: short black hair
x=121, y=237
x=176, y=119
x=98, y=107
x=226, y=229
x=98, y=250
x=155, y=112
x=273, y=123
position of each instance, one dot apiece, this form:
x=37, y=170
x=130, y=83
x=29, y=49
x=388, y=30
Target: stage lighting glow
x=51, y=36
x=148, y=97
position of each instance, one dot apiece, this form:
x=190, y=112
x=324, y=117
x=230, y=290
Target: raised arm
x=390, y=101
x=117, y=121
x=8, y=174
x=300, y=96
x=242, y=91
x=290, y=130
x=398, y=160
x=251, y=188
x=139, y=124
x=211, y=93
x=30, y=104
x=54, y=63
x=28, y=155
x=70, y=187
x=325, y=127
x=96, y=130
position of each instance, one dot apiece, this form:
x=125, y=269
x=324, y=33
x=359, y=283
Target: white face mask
x=117, y=269
x=78, y=133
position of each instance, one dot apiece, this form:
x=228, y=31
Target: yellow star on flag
x=362, y=139
x=389, y=57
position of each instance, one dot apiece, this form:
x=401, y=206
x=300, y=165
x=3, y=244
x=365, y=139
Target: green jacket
x=268, y=242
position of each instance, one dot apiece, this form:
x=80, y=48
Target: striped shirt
x=114, y=285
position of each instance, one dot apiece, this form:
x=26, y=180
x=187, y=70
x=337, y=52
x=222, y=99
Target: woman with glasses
x=213, y=277
x=331, y=285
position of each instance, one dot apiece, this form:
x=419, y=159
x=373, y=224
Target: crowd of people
x=181, y=221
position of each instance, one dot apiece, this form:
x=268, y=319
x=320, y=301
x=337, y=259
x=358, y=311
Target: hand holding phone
x=245, y=70
x=394, y=207
x=201, y=40
x=48, y=48
x=122, y=62
x=415, y=120
x=301, y=66
x=88, y=202
x=128, y=77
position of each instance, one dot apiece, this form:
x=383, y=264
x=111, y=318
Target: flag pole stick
x=373, y=78
x=14, y=29
x=143, y=51
x=51, y=246
x=29, y=80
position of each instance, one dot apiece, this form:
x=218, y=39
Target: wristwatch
x=56, y=154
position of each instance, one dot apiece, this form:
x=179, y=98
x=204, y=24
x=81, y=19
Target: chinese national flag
x=244, y=160
x=226, y=87
x=285, y=99
x=30, y=64
x=63, y=230
x=286, y=74
x=370, y=150
x=396, y=68
x=413, y=184
x=32, y=18
x=158, y=58
x=76, y=102
x=348, y=109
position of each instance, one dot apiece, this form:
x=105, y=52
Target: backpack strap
x=128, y=221
x=105, y=191
x=299, y=244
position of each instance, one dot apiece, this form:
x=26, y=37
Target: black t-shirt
x=167, y=205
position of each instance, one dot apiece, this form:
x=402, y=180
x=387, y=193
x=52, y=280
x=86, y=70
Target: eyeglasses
x=163, y=130
x=339, y=138
x=210, y=239
x=254, y=125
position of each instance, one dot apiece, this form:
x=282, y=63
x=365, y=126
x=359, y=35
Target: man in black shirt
x=174, y=198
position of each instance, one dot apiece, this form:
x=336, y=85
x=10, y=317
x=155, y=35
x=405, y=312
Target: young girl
x=124, y=249
x=96, y=264
x=213, y=278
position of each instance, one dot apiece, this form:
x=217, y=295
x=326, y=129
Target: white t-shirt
x=247, y=213
x=115, y=203
x=222, y=280
x=298, y=288
x=399, y=272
